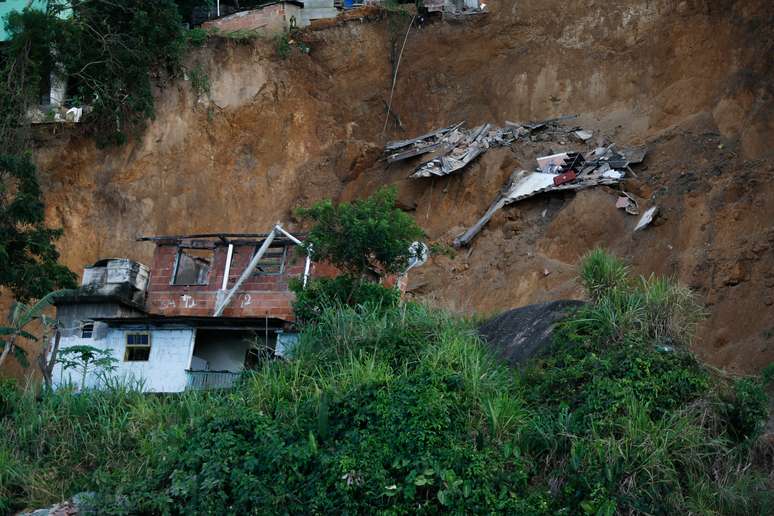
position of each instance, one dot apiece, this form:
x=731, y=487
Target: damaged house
x=210, y=307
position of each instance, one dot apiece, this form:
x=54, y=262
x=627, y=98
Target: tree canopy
x=28, y=258
x=365, y=237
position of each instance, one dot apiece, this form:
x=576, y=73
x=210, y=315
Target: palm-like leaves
x=20, y=316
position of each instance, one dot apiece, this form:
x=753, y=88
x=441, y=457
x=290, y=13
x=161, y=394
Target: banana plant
x=20, y=317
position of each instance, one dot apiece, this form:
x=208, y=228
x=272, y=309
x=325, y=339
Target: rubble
x=453, y=148
x=628, y=203
x=583, y=136
x=562, y=171
x=430, y=142
x=647, y=218
x=461, y=148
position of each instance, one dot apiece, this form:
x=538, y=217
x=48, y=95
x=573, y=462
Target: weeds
x=200, y=81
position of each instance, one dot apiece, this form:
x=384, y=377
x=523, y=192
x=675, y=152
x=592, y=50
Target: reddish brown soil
x=691, y=79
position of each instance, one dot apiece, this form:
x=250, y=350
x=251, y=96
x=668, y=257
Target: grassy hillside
x=402, y=410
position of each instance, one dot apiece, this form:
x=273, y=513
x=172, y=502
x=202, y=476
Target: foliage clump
x=28, y=258
x=364, y=238
x=401, y=409
x=368, y=241
x=325, y=294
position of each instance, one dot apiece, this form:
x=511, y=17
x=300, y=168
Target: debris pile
x=563, y=171
x=455, y=7
x=453, y=148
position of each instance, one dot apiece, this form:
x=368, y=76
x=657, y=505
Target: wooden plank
x=470, y=234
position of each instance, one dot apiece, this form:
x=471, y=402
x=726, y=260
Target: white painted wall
x=224, y=351
x=165, y=370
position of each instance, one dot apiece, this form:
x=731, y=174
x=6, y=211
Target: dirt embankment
x=692, y=79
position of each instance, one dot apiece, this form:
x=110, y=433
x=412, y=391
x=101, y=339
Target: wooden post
x=465, y=238
x=228, y=266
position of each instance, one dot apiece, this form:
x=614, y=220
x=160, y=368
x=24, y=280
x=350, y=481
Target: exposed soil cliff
x=691, y=79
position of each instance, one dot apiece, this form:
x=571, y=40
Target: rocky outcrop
x=520, y=334
x=81, y=504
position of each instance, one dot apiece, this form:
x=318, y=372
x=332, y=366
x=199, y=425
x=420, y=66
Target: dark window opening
x=87, y=330
x=137, y=347
x=272, y=262
x=193, y=267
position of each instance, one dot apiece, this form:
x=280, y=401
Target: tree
x=85, y=358
x=26, y=61
x=365, y=238
x=28, y=258
x=112, y=52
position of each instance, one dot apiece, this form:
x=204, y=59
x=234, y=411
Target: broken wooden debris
x=646, y=218
x=628, y=203
x=563, y=171
x=404, y=149
x=455, y=147
x=458, y=154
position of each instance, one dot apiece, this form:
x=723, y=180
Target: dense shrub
x=746, y=408
x=9, y=397
x=401, y=410
x=368, y=237
x=325, y=293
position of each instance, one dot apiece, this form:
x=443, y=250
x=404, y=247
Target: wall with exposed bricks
x=260, y=296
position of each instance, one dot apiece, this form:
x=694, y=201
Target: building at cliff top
x=274, y=18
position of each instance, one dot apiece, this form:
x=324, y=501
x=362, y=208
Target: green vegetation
x=200, y=81
x=111, y=52
x=363, y=238
x=21, y=318
x=368, y=240
x=28, y=259
x=402, y=410
x=87, y=359
x=323, y=294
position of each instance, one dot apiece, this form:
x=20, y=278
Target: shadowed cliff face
x=691, y=79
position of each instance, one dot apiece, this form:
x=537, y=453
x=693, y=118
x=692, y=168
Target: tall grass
x=404, y=410
x=652, y=310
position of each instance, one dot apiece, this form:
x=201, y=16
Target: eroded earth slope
x=691, y=79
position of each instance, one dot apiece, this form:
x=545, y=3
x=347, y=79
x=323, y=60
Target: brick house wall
x=260, y=296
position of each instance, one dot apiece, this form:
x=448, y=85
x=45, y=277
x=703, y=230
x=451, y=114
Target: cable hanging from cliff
x=395, y=76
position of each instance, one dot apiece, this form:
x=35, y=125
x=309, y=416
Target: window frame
x=128, y=346
x=283, y=261
x=84, y=325
x=176, y=268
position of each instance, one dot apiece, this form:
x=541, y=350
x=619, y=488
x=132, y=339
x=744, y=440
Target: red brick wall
x=260, y=296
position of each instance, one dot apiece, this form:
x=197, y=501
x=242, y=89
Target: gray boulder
x=521, y=333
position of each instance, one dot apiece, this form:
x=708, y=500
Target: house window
x=192, y=267
x=87, y=330
x=272, y=262
x=137, y=347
